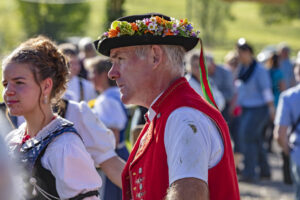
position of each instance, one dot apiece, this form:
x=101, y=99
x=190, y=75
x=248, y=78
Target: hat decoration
x=154, y=25
x=158, y=29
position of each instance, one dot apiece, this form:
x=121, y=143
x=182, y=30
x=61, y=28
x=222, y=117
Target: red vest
x=145, y=175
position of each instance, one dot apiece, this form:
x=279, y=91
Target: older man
x=184, y=150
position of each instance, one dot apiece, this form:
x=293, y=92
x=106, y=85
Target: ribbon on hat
x=208, y=95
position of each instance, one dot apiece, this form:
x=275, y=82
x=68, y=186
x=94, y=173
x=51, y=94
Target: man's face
x=244, y=56
x=131, y=73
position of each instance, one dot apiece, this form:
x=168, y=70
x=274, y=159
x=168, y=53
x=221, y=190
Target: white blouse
x=67, y=159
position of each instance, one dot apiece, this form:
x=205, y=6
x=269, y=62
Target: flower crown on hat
x=154, y=25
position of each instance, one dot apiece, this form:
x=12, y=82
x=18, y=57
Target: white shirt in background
x=73, y=90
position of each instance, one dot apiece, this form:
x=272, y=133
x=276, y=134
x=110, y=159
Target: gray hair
x=175, y=55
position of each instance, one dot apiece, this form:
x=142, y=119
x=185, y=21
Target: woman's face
x=21, y=93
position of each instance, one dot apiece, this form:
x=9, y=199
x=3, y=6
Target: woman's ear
x=46, y=86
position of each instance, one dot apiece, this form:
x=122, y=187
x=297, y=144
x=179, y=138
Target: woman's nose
x=9, y=90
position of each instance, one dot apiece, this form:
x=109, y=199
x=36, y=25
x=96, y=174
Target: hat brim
x=104, y=46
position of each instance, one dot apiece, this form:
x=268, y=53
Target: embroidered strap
x=31, y=150
x=88, y=194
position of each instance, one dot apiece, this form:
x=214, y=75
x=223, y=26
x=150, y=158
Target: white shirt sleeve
x=193, y=144
x=98, y=140
x=268, y=95
x=110, y=112
x=72, y=166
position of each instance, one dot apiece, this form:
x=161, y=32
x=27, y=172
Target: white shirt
x=73, y=90
x=98, y=140
x=67, y=159
x=110, y=110
x=193, y=144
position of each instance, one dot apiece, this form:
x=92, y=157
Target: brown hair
x=100, y=65
x=45, y=61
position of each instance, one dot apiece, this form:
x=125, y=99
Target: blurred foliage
x=10, y=31
x=114, y=10
x=276, y=13
x=211, y=16
x=56, y=21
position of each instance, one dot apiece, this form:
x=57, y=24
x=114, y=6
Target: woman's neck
x=36, y=121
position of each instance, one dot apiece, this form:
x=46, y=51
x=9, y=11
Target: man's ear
x=46, y=86
x=157, y=55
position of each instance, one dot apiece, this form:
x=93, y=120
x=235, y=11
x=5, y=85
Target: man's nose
x=113, y=73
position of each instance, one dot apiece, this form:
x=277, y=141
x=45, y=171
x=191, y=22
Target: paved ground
x=273, y=189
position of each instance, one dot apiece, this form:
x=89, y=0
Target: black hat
x=152, y=28
x=244, y=46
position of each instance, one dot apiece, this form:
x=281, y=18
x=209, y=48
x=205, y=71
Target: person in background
x=285, y=64
x=86, y=51
x=78, y=89
x=287, y=127
x=278, y=85
x=223, y=80
x=256, y=100
x=111, y=111
x=231, y=62
x=48, y=146
x=277, y=77
x=184, y=150
x=11, y=175
x=193, y=77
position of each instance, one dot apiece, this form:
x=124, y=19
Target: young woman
x=52, y=152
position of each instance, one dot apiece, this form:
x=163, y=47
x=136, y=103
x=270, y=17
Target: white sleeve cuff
x=268, y=95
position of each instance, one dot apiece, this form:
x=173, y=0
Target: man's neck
x=162, y=85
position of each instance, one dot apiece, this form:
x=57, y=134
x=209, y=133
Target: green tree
x=276, y=13
x=211, y=16
x=56, y=21
x=114, y=10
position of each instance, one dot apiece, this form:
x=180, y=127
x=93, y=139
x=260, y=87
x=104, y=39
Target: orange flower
x=158, y=19
x=148, y=31
x=168, y=32
x=113, y=32
x=134, y=26
x=164, y=21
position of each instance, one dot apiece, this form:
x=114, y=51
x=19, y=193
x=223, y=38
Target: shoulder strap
x=295, y=125
x=81, y=89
